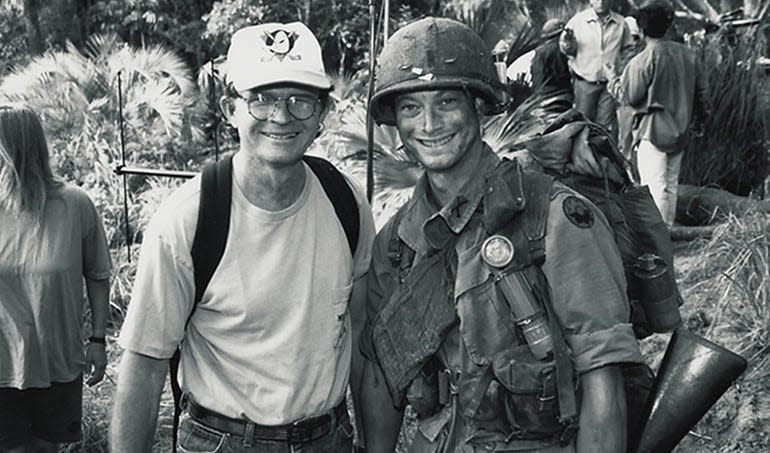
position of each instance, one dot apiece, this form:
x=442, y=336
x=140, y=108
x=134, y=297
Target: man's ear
x=327, y=105
x=227, y=105
x=479, y=103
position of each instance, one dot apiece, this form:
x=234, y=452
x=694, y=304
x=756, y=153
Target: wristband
x=99, y=340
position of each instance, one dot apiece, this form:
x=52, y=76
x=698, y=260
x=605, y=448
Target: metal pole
x=123, y=170
x=369, y=120
x=123, y=164
x=216, y=116
x=386, y=22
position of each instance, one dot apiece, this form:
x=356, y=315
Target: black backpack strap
x=213, y=223
x=538, y=187
x=341, y=196
x=207, y=249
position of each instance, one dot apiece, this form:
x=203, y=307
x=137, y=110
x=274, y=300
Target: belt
x=592, y=82
x=298, y=432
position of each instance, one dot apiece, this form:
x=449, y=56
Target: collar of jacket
x=423, y=229
x=612, y=17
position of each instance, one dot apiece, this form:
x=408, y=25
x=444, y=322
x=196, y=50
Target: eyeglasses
x=262, y=106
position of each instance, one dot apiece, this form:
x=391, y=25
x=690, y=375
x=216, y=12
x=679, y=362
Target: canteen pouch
x=529, y=395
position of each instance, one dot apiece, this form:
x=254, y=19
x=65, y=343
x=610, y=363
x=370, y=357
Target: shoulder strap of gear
x=538, y=188
x=213, y=224
x=207, y=249
x=400, y=255
x=538, y=192
x=341, y=196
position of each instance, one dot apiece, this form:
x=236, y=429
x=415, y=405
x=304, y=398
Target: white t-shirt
x=270, y=340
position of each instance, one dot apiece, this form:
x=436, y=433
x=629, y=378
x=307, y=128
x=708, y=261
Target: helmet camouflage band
x=434, y=53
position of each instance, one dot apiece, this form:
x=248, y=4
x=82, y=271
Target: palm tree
x=72, y=87
x=76, y=93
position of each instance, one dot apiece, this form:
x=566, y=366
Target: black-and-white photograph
x=384, y=226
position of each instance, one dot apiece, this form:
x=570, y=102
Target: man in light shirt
x=266, y=352
x=592, y=39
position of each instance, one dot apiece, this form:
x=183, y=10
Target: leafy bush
x=228, y=16
x=13, y=46
x=730, y=148
x=76, y=93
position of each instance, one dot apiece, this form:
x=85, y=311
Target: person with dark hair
x=550, y=72
x=267, y=344
x=625, y=112
x=496, y=300
x=664, y=84
x=51, y=241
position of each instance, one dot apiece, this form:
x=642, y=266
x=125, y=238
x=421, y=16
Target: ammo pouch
x=528, y=397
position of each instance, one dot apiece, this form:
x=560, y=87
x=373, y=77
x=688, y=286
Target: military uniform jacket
x=582, y=272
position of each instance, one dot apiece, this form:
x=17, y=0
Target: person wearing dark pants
x=592, y=38
x=51, y=242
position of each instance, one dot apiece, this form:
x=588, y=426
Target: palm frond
x=349, y=137
x=159, y=98
x=493, y=20
x=156, y=62
x=505, y=133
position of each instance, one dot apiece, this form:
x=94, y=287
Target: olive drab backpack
x=214, y=221
x=583, y=156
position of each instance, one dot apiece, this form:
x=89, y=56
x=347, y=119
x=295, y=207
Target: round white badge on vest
x=497, y=251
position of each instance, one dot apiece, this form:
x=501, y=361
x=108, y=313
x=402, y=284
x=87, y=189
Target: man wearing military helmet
x=502, y=325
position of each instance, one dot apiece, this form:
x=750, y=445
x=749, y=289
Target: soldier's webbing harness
x=425, y=297
x=504, y=200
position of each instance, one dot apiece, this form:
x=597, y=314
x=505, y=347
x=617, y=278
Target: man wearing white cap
x=266, y=348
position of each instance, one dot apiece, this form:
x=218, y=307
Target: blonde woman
x=51, y=239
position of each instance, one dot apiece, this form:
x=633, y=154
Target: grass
x=725, y=282
x=736, y=158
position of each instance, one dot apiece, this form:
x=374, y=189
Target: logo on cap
x=497, y=251
x=280, y=42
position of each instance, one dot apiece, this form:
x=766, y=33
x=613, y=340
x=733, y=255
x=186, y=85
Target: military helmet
x=434, y=53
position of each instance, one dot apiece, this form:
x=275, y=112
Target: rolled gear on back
x=582, y=155
x=430, y=54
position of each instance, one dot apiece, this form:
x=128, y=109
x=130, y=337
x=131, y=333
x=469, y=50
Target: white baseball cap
x=275, y=53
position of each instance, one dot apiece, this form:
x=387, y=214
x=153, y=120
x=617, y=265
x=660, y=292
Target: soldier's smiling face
x=438, y=126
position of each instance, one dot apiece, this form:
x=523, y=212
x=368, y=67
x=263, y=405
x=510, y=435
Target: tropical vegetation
x=135, y=82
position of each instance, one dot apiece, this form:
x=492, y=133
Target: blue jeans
x=199, y=438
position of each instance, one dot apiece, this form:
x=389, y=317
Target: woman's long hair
x=25, y=171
